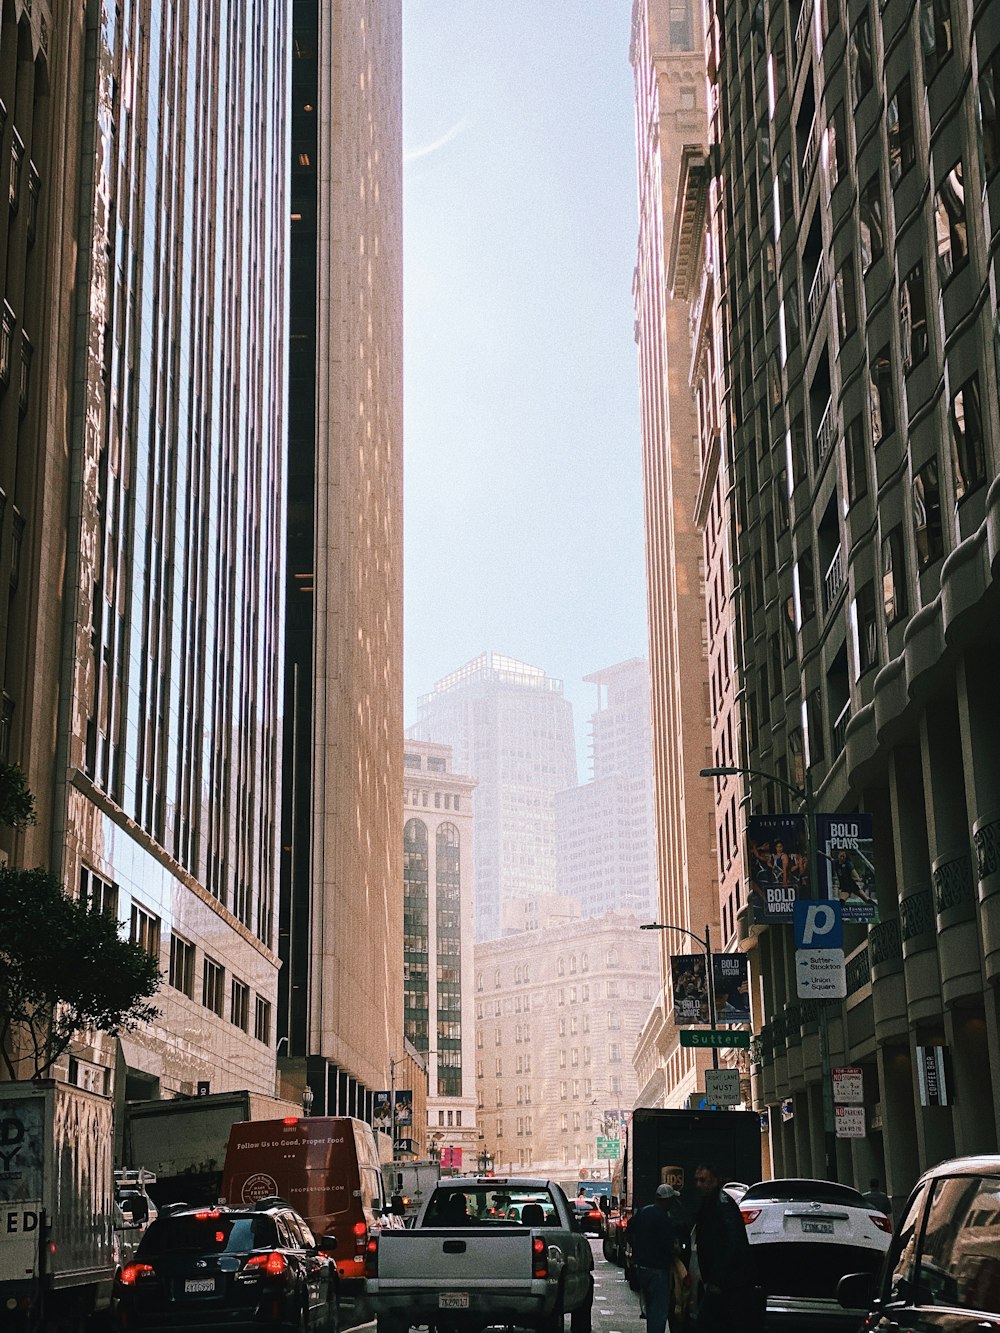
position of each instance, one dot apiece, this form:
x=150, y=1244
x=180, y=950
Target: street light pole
x=706, y=944
x=805, y=795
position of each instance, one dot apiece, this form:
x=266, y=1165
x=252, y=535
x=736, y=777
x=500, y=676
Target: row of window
x=442, y=800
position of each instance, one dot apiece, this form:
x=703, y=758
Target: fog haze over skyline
x=523, y=473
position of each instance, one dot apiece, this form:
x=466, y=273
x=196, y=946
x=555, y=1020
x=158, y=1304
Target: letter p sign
x=819, y=924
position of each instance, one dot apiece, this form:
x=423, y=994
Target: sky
x=523, y=478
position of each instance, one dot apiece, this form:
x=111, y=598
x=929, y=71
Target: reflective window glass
x=960, y=1254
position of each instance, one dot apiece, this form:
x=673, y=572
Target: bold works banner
x=779, y=865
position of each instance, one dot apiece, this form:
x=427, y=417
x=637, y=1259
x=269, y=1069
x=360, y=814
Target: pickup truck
x=484, y=1250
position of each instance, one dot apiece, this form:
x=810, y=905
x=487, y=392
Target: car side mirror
x=856, y=1290
x=604, y=1203
x=328, y=1242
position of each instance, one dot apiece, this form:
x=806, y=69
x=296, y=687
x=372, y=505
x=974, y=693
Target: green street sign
x=609, y=1149
x=730, y=1038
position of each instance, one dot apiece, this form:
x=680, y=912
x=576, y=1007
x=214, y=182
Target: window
x=847, y=305
x=814, y=726
x=24, y=375
x=935, y=35
x=213, y=983
x=239, y=1005
x=856, y=451
x=894, y=601
x=861, y=58
x=16, y=159
x=100, y=895
x=989, y=114
x=927, y=515
x=881, y=400
x=836, y=147
x=6, y=343
x=804, y=587
x=899, y=126
x=145, y=931
x=262, y=1020
x=959, y=1260
x=967, y=439
x=864, y=629
x=182, y=965
x=872, y=236
x=950, y=224
x=913, y=317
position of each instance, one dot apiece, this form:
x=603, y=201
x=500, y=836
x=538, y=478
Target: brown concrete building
x=342, y=882
x=859, y=180
x=667, y=58
x=558, y=1011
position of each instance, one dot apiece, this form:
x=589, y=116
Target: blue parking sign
x=818, y=924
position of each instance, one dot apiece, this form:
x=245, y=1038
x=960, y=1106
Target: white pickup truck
x=484, y=1250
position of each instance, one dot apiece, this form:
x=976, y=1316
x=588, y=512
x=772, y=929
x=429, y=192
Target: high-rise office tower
x=605, y=829
x=511, y=729
x=158, y=548
x=859, y=172
x=438, y=908
x=668, y=63
x=342, y=899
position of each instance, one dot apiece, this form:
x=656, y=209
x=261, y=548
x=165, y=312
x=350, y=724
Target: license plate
x=453, y=1300
x=818, y=1228
x=193, y=1284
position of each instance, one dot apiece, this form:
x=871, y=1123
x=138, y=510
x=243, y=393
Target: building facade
x=859, y=179
x=668, y=64
x=510, y=728
x=341, y=1000
x=438, y=931
x=558, y=1012
x=151, y=516
x=605, y=828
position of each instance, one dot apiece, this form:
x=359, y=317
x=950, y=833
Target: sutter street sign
x=730, y=1038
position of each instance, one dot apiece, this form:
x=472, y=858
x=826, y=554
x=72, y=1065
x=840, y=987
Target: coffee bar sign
x=932, y=1076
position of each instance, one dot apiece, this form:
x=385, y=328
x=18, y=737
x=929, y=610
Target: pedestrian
x=877, y=1197
x=728, y=1298
x=651, y=1234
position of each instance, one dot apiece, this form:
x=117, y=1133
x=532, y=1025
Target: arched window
x=612, y=957
x=561, y=966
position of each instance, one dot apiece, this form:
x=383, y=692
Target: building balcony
x=826, y=433
x=811, y=151
x=802, y=28
x=833, y=579
x=840, y=730
x=817, y=292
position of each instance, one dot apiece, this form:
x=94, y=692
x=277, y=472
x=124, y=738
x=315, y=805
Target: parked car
x=805, y=1235
x=229, y=1267
x=735, y=1189
x=942, y=1271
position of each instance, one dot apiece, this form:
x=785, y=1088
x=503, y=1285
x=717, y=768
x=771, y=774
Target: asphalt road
x=616, y=1306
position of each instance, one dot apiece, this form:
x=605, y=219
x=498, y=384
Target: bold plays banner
x=731, y=981
x=779, y=865
x=845, y=848
x=687, y=975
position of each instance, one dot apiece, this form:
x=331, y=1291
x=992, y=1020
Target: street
x=616, y=1305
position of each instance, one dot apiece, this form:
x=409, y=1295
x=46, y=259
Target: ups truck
x=663, y=1147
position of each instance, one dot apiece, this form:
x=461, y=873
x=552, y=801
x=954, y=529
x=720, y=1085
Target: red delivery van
x=327, y=1168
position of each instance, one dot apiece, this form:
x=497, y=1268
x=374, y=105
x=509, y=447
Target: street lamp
x=805, y=795
x=706, y=944
x=485, y=1161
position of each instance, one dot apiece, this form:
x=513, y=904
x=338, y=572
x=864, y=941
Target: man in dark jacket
x=651, y=1236
x=724, y=1261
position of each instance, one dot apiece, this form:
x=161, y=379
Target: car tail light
x=360, y=1229
x=750, y=1215
x=208, y=1215
x=133, y=1273
x=273, y=1264
x=882, y=1222
x=290, y=1120
x=539, y=1258
x=371, y=1257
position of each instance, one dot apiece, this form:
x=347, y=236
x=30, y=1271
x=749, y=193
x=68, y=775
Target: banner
x=846, y=852
x=779, y=865
x=687, y=975
x=404, y=1108
x=382, y=1110
x=731, y=983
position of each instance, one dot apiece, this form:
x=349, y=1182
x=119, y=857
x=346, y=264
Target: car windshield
x=485, y=1207
x=803, y=1191
x=208, y=1234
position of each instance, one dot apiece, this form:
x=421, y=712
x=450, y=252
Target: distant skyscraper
x=605, y=829
x=511, y=729
x=342, y=886
x=153, y=517
x=438, y=910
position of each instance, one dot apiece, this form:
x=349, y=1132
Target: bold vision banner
x=731, y=981
x=779, y=865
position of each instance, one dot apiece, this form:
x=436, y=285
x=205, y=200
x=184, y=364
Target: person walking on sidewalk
x=728, y=1298
x=651, y=1234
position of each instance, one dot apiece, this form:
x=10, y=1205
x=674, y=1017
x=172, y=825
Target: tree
x=64, y=969
x=17, y=805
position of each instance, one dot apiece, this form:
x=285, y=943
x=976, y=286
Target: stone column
x=899, y=1119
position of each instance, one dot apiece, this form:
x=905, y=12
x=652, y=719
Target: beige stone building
x=438, y=929
x=558, y=1012
x=668, y=64
x=341, y=1000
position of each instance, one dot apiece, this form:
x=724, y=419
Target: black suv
x=942, y=1271
x=229, y=1268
